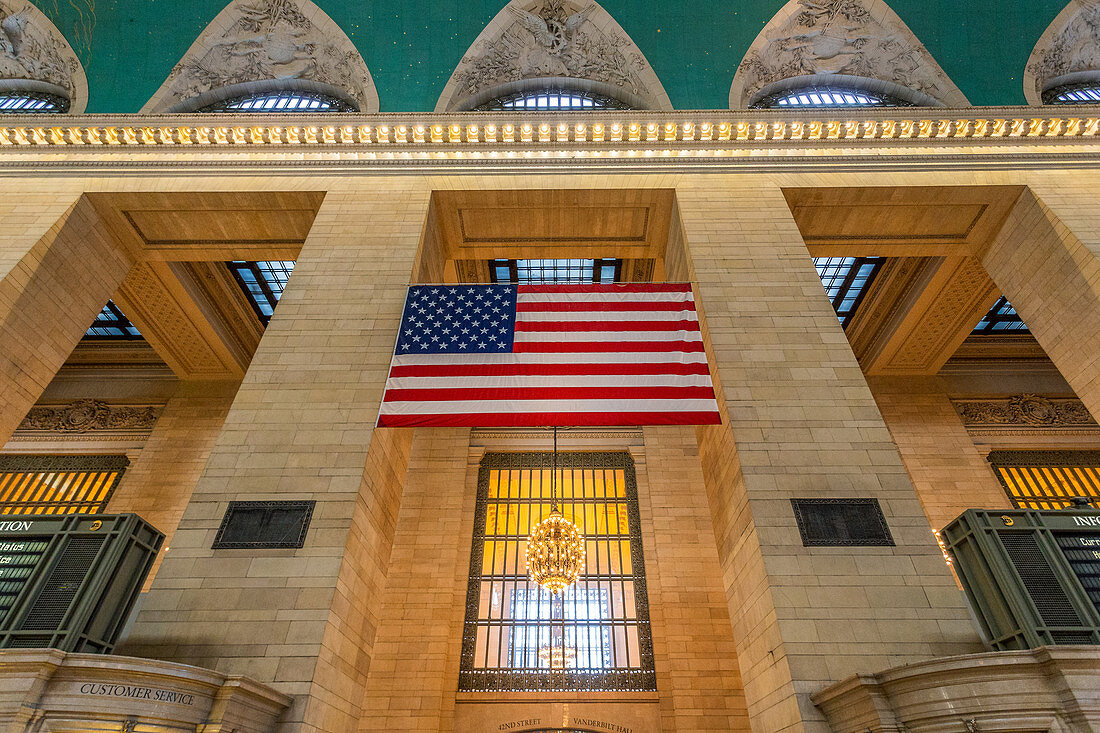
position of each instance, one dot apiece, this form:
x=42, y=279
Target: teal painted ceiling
x=412, y=46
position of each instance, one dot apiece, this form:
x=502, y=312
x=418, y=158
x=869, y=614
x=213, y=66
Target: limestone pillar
x=414, y=673
x=1050, y=272
x=58, y=267
x=158, y=484
x=948, y=471
x=302, y=427
x=801, y=423
x=693, y=648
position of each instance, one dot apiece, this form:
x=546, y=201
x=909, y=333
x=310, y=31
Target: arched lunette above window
x=1065, y=62
x=542, y=45
x=860, y=43
x=39, y=71
x=264, y=46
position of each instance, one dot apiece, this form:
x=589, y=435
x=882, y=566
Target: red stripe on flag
x=527, y=347
x=557, y=306
x=607, y=288
x=549, y=393
x=563, y=326
x=553, y=370
x=548, y=419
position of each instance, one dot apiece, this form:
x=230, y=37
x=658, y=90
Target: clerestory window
x=1080, y=93
x=534, y=272
x=262, y=282
x=551, y=100
x=1001, y=318
x=112, y=323
x=846, y=280
x=281, y=101
x=595, y=634
x=828, y=96
x=30, y=102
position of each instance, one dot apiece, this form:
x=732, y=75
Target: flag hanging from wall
x=542, y=355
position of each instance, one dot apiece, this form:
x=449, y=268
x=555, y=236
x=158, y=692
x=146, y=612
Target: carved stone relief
x=289, y=41
x=1024, y=410
x=85, y=416
x=557, y=41
x=826, y=40
x=32, y=49
x=1070, y=45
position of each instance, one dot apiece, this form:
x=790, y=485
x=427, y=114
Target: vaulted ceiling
x=411, y=47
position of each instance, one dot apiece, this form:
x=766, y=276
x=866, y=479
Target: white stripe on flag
x=612, y=380
x=643, y=357
x=548, y=337
x=458, y=407
x=604, y=297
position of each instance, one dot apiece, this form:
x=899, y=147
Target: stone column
x=158, y=484
x=58, y=267
x=1050, y=272
x=697, y=674
x=801, y=423
x=414, y=674
x=302, y=427
x=948, y=471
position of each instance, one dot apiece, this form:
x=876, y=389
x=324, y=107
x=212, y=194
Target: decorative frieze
x=1023, y=411
x=90, y=416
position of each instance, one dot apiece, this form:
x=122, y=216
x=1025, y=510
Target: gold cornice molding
x=485, y=128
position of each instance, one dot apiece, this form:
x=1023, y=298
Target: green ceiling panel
x=411, y=46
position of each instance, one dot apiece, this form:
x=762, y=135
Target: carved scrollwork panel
x=1024, y=410
x=88, y=416
x=828, y=40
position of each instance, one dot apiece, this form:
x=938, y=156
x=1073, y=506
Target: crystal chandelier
x=555, y=548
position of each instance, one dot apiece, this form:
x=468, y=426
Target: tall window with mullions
x=594, y=635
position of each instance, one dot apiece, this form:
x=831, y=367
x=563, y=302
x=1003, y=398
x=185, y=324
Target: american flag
x=543, y=355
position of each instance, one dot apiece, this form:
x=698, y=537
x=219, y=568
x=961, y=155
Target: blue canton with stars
x=458, y=319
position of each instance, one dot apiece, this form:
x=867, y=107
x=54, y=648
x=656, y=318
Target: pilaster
x=302, y=427
x=800, y=422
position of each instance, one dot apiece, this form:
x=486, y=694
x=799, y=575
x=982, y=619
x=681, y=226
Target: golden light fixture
x=555, y=548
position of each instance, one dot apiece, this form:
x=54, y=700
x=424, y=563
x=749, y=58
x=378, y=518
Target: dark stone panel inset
x=264, y=525
x=841, y=523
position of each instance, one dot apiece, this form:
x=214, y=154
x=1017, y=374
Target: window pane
x=595, y=634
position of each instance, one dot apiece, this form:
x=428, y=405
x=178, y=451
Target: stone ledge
x=1047, y=689
x=46, y=689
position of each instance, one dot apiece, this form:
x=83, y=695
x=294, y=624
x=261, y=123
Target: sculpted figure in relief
x=838, y=37
x=30, y=51
x=552, y=38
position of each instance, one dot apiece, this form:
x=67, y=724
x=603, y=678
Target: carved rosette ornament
x=34, y=53
x=554, y=40
x=824, y=41
x=250, y=41
x=1026, y=410
x=1068, y=50
x=85, y=416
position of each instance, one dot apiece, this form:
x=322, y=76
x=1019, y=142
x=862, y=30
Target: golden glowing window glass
x=58, y=484
x=592, y=636
x=1048, y=480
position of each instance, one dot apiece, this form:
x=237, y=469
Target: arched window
x=553, y=99
x=281, y=101
x=1086, y=92
x=25, y=101
x=828, y=96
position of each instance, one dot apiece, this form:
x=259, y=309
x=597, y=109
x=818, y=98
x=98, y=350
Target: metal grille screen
x=1046, y=480
x=58, y=484
x=594, y=635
